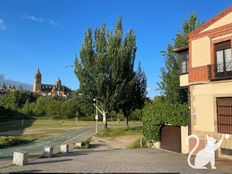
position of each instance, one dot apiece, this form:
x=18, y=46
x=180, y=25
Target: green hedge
x=155, y=115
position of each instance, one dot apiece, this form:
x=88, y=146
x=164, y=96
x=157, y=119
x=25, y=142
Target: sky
x=48, y=33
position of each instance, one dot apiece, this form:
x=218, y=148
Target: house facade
x=206, y=71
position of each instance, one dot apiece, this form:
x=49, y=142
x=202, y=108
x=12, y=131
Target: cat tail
x=194, y=148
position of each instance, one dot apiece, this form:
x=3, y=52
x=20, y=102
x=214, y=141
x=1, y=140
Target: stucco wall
x=203, y=103
x=204, y=111
x=184, y=80
x=222, y=37
x=200, y=52
x=184, y=136
x=224, y=21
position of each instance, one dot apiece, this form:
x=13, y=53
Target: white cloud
x=3, y=26
x=54, y=23
x=33, y=18
x=39, y=19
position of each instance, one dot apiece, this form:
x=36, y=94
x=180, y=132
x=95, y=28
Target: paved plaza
x=114, y=160
x=100, y=158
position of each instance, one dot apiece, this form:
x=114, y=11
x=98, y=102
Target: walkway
x=36, y=147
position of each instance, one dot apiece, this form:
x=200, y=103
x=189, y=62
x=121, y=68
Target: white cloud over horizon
x=54, y=23
x=3, y=26
x=33, y=18
x=40, y=20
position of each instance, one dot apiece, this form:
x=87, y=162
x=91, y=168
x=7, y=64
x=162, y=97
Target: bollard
x=64, y=148
x=78, y=144
x=48, y=152
x=20, y=158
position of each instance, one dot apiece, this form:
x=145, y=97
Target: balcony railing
x=220, y=71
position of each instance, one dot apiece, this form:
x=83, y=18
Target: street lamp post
x=96, y=116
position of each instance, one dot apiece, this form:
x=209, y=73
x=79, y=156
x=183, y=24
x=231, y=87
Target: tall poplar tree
x=106, y=70
x=169, y=85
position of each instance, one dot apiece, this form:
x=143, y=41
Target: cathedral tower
x=58, y=84
x=37, y=82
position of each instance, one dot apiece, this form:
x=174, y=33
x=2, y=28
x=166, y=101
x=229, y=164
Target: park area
x=119, y=149
x=23, y=131
x=33, y=135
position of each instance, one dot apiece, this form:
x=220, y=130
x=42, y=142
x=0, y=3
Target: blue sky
x=47, y=33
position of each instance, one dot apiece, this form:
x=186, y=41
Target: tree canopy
x=169, y=85
x=106, y=70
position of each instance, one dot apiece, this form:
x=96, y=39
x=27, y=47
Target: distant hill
x=17, y=84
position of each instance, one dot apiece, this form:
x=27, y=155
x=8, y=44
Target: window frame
x=186, y=60
x=222, y=46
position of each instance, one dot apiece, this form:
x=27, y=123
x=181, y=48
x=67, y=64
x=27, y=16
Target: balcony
x=184, y=80
x=220, y=71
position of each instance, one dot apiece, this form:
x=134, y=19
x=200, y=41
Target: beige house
x=206, y=70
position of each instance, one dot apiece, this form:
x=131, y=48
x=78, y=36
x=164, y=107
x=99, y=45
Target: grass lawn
x=54, y=124
x=31, y=130
x=120, y=131
x=6, y=141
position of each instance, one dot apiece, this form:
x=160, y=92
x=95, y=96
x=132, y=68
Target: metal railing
x=220, y=71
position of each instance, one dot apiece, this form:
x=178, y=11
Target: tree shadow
x=15, y=127
x=50, y=161
x=27, y=171
x=82, y=152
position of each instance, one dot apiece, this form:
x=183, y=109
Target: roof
x=211, y=21
x=206, y=25
x=180, y=49
x=49, y=88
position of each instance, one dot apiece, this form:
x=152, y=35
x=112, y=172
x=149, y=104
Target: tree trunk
x=126, y=121
x=104, y=121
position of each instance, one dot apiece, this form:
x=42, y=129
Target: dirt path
x=114, y=143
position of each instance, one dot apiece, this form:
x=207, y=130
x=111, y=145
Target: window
x=184, y=62
x=223, y=58
x=224, y=115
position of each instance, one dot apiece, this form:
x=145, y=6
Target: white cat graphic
x=206, y=155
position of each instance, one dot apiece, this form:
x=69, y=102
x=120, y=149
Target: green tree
x=106, y=69
x=169, y=85
x=27, y=109
x=132, y=93
x=40, y=106
x=53, y=109
x=15, y=100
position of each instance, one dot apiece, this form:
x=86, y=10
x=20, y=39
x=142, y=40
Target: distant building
x=47, y=89
x=5, y=88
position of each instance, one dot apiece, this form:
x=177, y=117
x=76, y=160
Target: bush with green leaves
x=157, y=114
x=15, y=140
x=136, y=114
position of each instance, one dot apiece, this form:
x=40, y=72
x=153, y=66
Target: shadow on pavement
x=27, y=171
x=82, y=152
x=51, y=161
x=15, y=127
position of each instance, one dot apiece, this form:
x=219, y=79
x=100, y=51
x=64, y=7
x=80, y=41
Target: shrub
x=14, y=140
x=158, y=114
x=136, y=114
